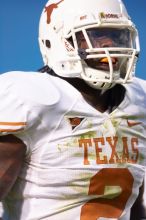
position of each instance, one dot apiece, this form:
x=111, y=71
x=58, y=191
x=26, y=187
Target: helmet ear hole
x=48, y=44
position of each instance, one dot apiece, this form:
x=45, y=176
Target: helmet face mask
x=99, y=46
x=104, y=38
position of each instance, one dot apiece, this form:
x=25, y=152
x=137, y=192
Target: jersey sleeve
x=13, y=116
x=26, y=100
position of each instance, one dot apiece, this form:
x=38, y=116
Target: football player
x=73, y=138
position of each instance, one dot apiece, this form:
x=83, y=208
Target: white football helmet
x=64, y=24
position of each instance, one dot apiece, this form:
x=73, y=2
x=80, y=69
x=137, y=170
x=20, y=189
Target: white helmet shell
x=62, y=19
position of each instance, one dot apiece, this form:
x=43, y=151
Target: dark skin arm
x=138, y=210
x=12, y=152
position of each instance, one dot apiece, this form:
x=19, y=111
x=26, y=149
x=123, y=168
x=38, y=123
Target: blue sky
x=19, y=48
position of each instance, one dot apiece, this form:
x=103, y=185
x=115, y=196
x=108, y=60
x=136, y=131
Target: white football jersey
x=80, y=163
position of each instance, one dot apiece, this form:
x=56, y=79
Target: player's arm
x=138, y=211
x=12, y=152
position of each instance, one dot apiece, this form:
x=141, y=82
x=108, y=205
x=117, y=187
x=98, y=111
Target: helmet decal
x=109, y=15
x=49, y=10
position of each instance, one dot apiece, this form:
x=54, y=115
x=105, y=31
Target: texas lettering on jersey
x=115, y=157
x=106, y=148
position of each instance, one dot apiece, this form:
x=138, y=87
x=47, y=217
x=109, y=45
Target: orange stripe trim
x=11, y=130
x=13, y=123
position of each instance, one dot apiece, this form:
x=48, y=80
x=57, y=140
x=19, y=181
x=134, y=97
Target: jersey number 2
x=111, y=207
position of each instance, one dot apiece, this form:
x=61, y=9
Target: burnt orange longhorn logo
x=50, y=9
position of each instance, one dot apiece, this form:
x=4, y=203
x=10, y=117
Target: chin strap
x=47, y=69
x=82, y=53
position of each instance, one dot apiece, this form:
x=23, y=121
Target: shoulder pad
x=32, y=86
